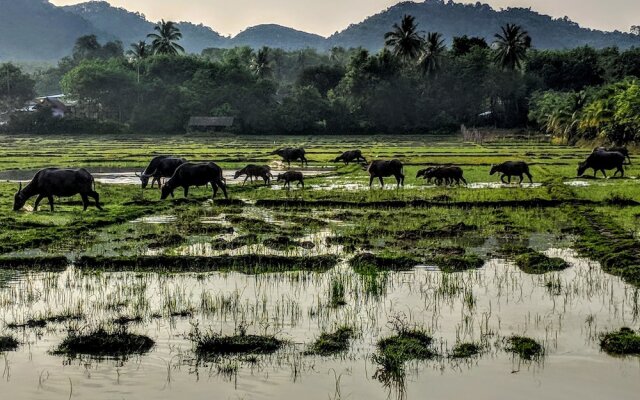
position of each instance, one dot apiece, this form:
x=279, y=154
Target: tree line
x=415, y=84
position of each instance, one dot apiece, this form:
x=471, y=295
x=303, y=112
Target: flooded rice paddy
x=334, y=291
x=565, y=311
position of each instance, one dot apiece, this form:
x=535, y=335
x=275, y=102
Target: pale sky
x=325, y=17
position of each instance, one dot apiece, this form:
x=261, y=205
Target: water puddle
x=565, y=311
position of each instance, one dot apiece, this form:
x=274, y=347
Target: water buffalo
x=160, y=167
x=601, y=161
x=350, y=156
x=512, y=168
x=382, y=169
x=289, y=154
x=51, y=182
x=191, y=174
x=257, y=171
x=444, y=174
x=291, y=176
x=620, y=149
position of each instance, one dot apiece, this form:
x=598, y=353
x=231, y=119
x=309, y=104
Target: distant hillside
x=38, y=30
x=32, y=30
x=130, y=27
x=454, y=19
x=272, y=35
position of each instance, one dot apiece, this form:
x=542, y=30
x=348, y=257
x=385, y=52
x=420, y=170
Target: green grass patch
x=526, y=348
x=8, y=343
x=249, y=264
x=465, y=350
x=101, y=343
x=329, y=344
x=533, y=262
x=213, y=345
x=622, y=342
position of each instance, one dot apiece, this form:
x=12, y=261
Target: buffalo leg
x=50, y=198
x=502, y=179
x=85, y=201
x=521, y=179
x=605, y=174
x=530, y=177
x=463, y=180
x=305, y=161
x=371, y=181
x=186, y=191
x=381, y=181
x=245, y=180
x=37, y=203
x=214, y=189
x=96, y=197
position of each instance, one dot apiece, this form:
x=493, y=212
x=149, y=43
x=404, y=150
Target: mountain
x=272, y=35
x=32, y=30
x=38, y=30
x=130, y=27
x=455, y=19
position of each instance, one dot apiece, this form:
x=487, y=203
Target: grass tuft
x=329, y=344
x=524, y=347
x=101, y=343
x=623, y=342
x=533, y=262
x=8, y=343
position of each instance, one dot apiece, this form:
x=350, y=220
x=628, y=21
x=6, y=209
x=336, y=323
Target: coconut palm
x=511, y=46
x=166, y=38
x=139, y=51
x=432, y=53
x=404, y=40
x=261, y=63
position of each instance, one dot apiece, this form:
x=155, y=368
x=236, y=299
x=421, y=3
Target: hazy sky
x=328, y=16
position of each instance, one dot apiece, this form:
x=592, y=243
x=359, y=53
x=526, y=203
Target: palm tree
x=166, y=38
x=139, y=51
x=511, y=46
x=261, y=63
x=404, y=40
x=432, y=53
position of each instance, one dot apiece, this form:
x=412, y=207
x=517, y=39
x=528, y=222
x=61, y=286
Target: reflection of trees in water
x=7, y=276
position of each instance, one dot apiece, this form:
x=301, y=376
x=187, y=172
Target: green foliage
x=8, y=343
x=332, y=343
x=465, y=350
x=212, y=345
x=533, y=262
x=525, y=348
x=16, y=88
x=101, y=343
x=610, y=112
x=622, y=342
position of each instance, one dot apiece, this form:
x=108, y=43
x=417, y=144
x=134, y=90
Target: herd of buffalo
x=55, y=182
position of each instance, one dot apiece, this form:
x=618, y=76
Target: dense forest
x=36, y=30
x=416, y=84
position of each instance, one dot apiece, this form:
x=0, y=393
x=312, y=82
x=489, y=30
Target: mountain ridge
x=39, y=30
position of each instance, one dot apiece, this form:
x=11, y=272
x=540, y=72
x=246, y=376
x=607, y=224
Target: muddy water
x=482, y=305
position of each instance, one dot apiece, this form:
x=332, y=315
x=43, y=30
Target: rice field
x=332, y=291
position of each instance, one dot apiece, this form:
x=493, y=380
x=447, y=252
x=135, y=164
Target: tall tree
x=139, y=51
x=261, y=63
x=165, y=41
x=405, y=40
x=511, y=47
x=432, y=53
x=16, y=88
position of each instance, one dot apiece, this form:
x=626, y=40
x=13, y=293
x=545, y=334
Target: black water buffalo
x=257, y=171
x=51, y=182
x=291, y=176
x=383, y=169
x=289, y=154
x=191, y=174
x=160, y=167
x=601, y=161
x=512, y=168
x=350, y=156
x=619, y=149
x=444, y=174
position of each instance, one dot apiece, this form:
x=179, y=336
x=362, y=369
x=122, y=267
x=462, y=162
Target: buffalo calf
x=191, y=174
x=512, y=168
x=291, y=176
